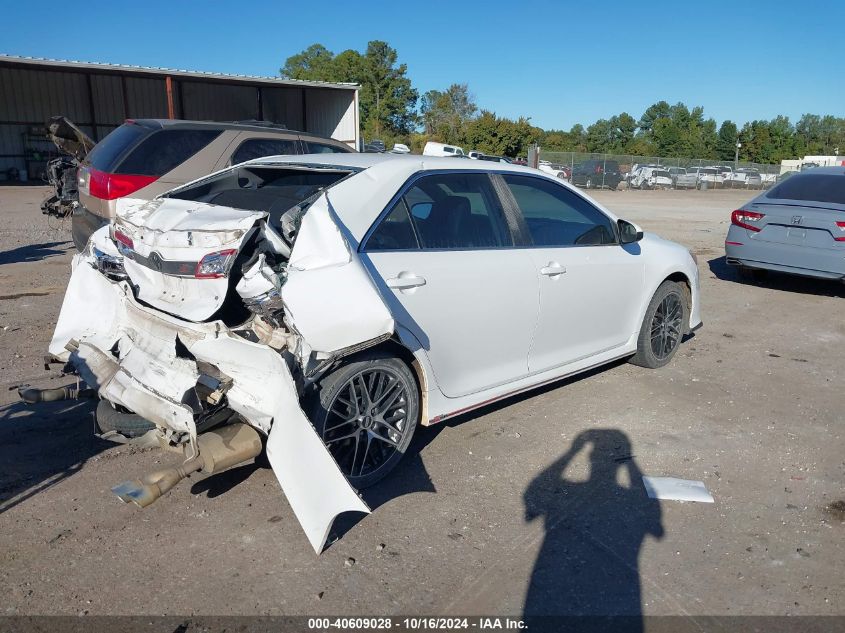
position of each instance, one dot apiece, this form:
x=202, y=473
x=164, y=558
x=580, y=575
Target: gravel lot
x=488, y=514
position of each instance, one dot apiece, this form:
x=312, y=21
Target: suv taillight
x=841, y=227
x=742, y=218
x=111, y=186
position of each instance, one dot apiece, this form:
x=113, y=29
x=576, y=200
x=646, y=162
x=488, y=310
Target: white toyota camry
x=322, y=307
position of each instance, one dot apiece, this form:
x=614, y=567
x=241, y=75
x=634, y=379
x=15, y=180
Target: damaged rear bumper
x=173, y=373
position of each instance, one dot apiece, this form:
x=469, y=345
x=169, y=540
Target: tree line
x=392, y=110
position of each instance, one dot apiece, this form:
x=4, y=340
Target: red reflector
x=742, y=218
x=733, y=243
x=841, y=227
x=122, y=238
x=110, y=186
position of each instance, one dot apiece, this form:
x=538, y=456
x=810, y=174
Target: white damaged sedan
x=322, y=307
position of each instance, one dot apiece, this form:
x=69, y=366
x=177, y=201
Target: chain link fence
x=616, y=171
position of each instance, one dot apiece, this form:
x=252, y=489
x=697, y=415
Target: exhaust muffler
x=32, y=395
x=218, y=450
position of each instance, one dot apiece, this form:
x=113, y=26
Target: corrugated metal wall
x=329, y=114
x=99, y=101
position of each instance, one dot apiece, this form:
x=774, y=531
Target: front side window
x=261, y=147
x=556, y=216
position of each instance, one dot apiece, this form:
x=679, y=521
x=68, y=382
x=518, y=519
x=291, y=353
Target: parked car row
x=710, y=177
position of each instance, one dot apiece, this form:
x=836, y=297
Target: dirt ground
x=492, y=513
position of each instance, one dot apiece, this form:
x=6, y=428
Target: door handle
x=405, y=281
x=552, y=269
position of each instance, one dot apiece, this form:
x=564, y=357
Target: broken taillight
x=216, y=265
x=107, y=186
x=123, y=240
x=841, y=236
x=745, y=219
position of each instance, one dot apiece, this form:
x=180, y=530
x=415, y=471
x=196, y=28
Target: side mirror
x=629, y=233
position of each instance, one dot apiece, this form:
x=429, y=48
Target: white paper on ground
x=676, y=489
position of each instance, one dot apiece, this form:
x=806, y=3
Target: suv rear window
x=106, y=153
x=811, y=187
x=164, y=150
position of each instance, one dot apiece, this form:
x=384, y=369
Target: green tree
x=446, y=114
x=491, y=134
x=387, y=99
x=659, y=110
x=726, y=141
x=315, y=63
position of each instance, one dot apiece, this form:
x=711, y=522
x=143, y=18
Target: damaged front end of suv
x=211, y=310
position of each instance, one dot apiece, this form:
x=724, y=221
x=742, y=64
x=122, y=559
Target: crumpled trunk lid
x=164, y=240
x=328, y=296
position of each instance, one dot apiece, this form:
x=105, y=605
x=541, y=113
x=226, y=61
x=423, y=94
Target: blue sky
x=557, y=62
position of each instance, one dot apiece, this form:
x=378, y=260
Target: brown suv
x=146, y=157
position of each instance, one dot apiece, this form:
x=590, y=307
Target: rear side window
x=395, y=231
x=163, y=151
x=106, y=153
x=261, y=147
x=323, y=148
x=811, y=187
x=454, y=212
x=558, y=217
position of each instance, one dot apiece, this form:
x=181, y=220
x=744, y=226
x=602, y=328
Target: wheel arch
x=398, y=348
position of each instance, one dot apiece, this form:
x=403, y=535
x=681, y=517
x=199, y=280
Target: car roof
x=358, y=203
x=254, y=126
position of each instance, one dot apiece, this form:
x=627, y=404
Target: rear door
x=443, y=257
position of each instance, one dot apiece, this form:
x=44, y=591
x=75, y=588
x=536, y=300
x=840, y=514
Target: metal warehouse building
x=99, y=97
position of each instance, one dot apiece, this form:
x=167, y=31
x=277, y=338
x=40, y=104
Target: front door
x=590, y=286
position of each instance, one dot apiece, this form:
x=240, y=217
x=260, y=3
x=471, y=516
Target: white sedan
x=323, y=307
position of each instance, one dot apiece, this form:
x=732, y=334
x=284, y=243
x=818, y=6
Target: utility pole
x=736, y=154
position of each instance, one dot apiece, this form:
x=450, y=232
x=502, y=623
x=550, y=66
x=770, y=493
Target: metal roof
x=62, y=64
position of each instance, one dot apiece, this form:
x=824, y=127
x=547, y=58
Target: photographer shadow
x=588, y=565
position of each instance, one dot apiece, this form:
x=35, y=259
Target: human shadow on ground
x=586, y=576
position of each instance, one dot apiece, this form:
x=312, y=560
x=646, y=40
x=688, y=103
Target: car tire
x=663, y=328
x=335, y=414
x=588, y=184
x=130, y=425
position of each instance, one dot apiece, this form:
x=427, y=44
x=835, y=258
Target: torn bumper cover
x=171, y=370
